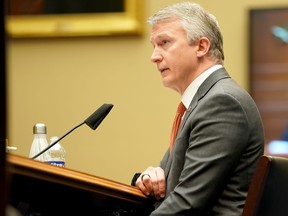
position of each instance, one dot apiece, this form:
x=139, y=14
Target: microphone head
x=94, y=120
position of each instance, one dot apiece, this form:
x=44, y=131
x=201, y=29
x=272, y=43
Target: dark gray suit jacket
x=215, y=153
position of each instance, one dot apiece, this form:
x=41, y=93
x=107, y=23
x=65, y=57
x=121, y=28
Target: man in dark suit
x=210, y=165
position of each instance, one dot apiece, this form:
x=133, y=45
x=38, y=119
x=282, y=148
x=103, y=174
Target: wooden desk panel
x=44, y=189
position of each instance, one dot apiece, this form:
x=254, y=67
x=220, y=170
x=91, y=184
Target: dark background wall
x=269, y=68
x=2, y=111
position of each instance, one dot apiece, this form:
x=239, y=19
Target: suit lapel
x=201, y=92
x=203, y=89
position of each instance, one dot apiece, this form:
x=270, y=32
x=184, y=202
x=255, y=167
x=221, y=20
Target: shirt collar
x=191, y=90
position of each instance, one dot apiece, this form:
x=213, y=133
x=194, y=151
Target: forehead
x=166, y=28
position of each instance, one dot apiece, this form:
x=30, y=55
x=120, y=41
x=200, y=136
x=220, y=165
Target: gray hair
x=197, y=22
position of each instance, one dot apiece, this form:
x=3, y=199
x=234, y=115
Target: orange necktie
x=177, y=121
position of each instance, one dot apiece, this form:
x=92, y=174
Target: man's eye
x=165, y=42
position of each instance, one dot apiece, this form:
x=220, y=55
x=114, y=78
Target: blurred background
x=60, y=81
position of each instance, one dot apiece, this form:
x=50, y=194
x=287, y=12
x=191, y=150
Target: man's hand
x=152, y=182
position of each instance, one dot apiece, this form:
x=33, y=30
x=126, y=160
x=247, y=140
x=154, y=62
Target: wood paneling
x=269, y=69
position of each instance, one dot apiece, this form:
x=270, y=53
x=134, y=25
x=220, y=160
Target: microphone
x=93, y=121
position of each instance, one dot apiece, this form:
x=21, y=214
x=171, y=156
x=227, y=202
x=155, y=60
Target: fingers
x=152, y=182
x=143, y=175
x=161, y=184
x=143, y=183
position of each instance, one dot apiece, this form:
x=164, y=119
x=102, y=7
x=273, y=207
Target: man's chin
x=167, y=83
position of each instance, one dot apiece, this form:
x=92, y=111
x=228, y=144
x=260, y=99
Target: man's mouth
x=163, y=69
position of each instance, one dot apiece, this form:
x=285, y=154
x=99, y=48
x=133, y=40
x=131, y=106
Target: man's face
x=175, y=58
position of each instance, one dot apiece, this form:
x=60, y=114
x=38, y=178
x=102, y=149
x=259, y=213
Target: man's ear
x=203, y=46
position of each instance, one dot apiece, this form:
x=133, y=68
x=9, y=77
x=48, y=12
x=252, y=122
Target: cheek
x=184, y=60
x=185, y=53
x=181, y=58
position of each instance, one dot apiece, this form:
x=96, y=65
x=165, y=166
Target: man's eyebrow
x=159, y=36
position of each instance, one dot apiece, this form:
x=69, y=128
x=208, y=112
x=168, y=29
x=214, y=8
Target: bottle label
x=57, y=163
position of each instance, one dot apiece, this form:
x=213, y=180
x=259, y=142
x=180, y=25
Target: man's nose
x=156, y=56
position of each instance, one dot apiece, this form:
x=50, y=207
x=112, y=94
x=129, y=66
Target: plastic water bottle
x=39, y=142
x=57, y=153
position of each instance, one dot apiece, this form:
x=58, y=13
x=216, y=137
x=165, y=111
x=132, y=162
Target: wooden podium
x=38, y=189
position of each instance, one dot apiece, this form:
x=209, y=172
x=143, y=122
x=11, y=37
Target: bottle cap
x=39, y=128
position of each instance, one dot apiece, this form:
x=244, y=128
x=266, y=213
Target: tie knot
x=181, y=108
